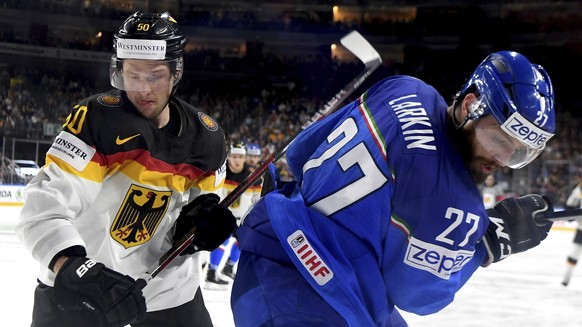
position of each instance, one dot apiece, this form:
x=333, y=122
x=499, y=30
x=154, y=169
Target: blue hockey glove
x=214, y=223
x=513, y=229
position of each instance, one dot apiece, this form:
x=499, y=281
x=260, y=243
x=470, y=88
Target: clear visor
x=145, y=75
x=508, y=150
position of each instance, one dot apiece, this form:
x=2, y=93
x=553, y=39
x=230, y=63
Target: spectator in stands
x=491, y=192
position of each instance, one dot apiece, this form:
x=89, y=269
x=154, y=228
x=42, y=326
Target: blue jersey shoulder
x=431, y=179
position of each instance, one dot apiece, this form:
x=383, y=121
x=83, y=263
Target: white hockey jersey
x=114, y=183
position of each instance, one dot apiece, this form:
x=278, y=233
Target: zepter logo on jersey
x=140, y=214
x=435, y=259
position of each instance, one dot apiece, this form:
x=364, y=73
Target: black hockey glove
x=513, y=229
x=84, y=284
x=214, y=223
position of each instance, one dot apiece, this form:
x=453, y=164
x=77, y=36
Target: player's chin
x=149, y=112
x=479, y=172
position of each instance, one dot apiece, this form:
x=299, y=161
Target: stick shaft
x=329, y=108
x=353, y=42
x=565, y=215
x=360, y=47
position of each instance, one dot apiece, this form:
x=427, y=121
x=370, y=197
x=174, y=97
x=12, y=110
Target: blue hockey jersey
x=384, y=212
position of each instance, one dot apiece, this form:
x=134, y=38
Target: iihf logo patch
x=110, y=100
x=309, y=258
x=208, y=122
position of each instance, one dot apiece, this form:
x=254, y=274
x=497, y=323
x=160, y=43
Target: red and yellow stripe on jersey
x=114, y=183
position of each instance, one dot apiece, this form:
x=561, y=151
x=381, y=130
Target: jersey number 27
x=351, y=190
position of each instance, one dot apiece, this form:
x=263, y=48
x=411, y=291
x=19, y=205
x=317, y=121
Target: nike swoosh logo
x=119, y=141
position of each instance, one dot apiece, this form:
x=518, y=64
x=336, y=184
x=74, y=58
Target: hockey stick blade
x=364, y=51
x=565, y=215
x=361, y=48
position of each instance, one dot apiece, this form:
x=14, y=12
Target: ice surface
x=523, y=290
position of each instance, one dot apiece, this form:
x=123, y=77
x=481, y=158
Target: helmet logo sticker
x=208, y=122
x=141, y=49
x=528, y=133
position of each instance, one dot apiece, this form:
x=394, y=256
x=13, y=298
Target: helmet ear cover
x=476, y=109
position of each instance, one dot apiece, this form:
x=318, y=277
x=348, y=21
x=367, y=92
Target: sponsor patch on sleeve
x=72, y=150
x=309, y=258
x=437, y=260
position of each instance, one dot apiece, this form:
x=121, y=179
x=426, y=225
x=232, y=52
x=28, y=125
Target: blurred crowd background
x=262, y=68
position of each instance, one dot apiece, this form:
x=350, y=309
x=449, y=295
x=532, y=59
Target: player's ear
x=468, y=105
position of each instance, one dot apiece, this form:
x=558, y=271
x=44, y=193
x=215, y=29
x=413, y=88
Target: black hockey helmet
x=148, y=36
x=147, y=26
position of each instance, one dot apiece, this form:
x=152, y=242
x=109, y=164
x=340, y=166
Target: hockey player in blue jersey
x=385, y=212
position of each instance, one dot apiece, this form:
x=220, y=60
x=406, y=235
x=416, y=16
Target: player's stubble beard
x=153, y=115
x=464, y=141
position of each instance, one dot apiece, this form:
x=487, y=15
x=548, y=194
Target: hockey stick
x=572, y=214
x=359, y=47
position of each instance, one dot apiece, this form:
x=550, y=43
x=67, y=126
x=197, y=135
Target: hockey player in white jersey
x=131, y=171
x=237, y=170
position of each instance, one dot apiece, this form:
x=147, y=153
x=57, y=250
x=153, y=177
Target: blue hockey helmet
x=253, y=149
x=520, y=96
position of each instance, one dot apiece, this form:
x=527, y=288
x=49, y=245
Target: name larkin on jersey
x=71, y=147
x=415, y=124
